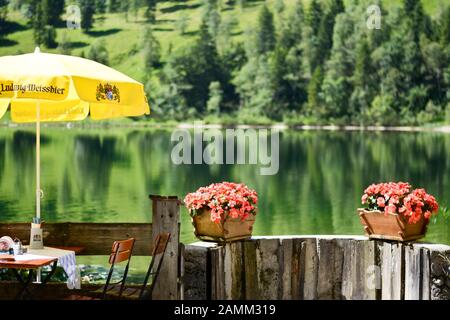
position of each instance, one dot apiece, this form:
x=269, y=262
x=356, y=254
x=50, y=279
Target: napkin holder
x=36, y=239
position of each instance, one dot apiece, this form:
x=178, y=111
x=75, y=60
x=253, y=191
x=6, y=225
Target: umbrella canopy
x=50, y=87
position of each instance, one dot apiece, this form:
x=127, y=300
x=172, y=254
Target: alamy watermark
x=230, y=146
x=374, y=19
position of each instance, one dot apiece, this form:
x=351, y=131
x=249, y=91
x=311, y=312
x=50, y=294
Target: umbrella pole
x=38, y=160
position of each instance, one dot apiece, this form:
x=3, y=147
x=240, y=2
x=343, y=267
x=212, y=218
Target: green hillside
x=256, y=61
x=123, y=35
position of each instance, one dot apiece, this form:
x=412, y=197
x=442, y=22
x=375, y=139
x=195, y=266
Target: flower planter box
x=227, y=230
x=377, y=225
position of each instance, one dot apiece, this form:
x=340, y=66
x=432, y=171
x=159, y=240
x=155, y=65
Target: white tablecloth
x=66, y=260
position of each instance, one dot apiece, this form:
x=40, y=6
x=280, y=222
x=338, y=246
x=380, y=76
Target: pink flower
x=380, y=202
x=223, y=199
x=390, y=209
x=364, y=198
x=393, y=197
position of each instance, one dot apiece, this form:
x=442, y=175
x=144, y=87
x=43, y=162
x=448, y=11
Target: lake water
x=106, y=175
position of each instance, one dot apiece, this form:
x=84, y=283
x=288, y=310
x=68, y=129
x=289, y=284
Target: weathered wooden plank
x=392, y=271
x=218, y=274
x=360, y=274
x=286, y=268
x=413, y=273
x=227, y=272
x=196, y=272
x=182, y=270
x=237, y=271
x=166, y=218
x=267, y=261
x=98, y=238
x=250, y=271
x=295, y=269
x=95, y=238
x=331, y=258
x=426, y=276
x=309, y=268
x=367, y=272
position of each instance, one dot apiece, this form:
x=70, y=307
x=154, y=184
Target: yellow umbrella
x=50, y=87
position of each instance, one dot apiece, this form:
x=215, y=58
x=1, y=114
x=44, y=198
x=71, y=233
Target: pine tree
x=150, y=11
x=444, y=27
x=87, y=8
x=152, y=50
x=314, y=88
x=195, y=68
x=3, y=16
x=292, y=29
x=99, y=53
x=211, y=16
x=64, y=46
x=310, y=37
x=314, y=16
x=49, y=37
x=114, y=6
x=363, y=91
x=215, y=98
x=100, y=6
x=265, y=41
x=418, y=21
x=325, y=33
x=38, y=24
x=337, y=86
x=52, y=10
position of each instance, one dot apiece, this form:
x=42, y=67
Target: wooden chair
x=121, y=252
x=145, y=291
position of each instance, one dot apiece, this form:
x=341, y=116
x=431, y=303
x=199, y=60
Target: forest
x=296, y=61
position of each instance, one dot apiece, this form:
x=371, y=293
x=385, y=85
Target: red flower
x=223, y=199
x=380, y=202
x=395, y=197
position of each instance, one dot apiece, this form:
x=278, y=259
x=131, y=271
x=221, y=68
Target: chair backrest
x=121, y=251
x=159, y=249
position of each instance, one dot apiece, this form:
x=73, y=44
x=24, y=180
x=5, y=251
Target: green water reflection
x=105, y=175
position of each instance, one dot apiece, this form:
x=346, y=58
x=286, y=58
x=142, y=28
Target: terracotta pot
x=227, y=230
x=377, y=225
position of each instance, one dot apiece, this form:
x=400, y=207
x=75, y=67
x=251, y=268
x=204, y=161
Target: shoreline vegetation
x=204, y=125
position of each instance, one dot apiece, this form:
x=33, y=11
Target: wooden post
x=197, y=270
x=392, y=271
x=309, y=268
x=359, y=278
x=268, y=268
x=166, y=218
x=413, y=273
x=217, y=273
x=331, y=257
x=250, y=271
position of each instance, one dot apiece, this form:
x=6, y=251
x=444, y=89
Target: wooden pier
x=316, y=267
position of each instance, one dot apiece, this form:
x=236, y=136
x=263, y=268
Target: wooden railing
x=94, y=238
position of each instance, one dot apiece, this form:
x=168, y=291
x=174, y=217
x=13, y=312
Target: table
x=35, y=259
x=32, y=266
